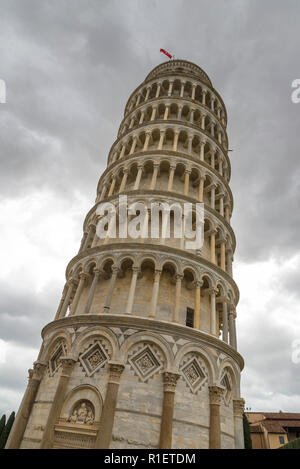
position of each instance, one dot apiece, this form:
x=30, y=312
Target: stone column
x=213, y=247
x=166, y=112
x=204, y=97
x=138, y=177
x=142, y=117
x=20, y=423
x=225, y=322
x=83, y=276
x=229, y=261
x=212, y=103
x=154, y=176
x=190, y=141
x=170, y=88
x=171, y=177
x=212, y=196
x=67, y=299
x=108, y=413
x=198, y=285
x=135, y=271
x=155, y=291
x=179, y=115
x=166, y=427
x=238, y=410
x=232, y=332
x=186, y=181
x=63, y=296
x=193, y=90
x=212, y=158
x=153, y=113
x=92, y=291
x=56, y=406
x=222, y=248
x=113, y=279
x=182, y=89
x=175, y=142
x=88, y=238
x=112, y=186
x=192, y=116
x=134, y=142
x=215, y=395
x=201, y=188
x=102, y=195
x=138, y=99
x=222, y=205
x=124, y=180
x=122, y=150
x=227, y=213
x=203, y=117
x=213, y=328
x=147, y=94
x=202, y=145
x=158, y=90
x=147, y=140
x=161, y=139
x=177, y=298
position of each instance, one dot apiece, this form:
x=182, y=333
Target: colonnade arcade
x=210, y=298
x=163, y=174
x=165, y=137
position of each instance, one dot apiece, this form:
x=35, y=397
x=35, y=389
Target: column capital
x=198, y=283
x=115, y=371
x=170, y=380
x=238, y=407
x=67, y=365
x=178, y=277
x=84, y=275
x=215, y=394
x=115, y=269
x=38, y=371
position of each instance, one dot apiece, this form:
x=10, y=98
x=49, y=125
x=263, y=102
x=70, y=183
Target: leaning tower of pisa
x=142, y=351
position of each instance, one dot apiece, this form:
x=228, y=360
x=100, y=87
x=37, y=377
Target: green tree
x=247, y=434
x=6, y=431
x=2, y=423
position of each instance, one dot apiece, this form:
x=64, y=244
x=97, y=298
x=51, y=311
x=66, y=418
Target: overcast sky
x=69, y=67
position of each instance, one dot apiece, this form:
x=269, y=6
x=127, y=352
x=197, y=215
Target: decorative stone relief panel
x=94, y=358
x=54, y=362
x=194, y=372
x=83, y=413
x=146, y=361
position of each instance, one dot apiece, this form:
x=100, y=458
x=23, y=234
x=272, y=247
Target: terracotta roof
x=282, y=415
x=278, y=415
x=273, y=427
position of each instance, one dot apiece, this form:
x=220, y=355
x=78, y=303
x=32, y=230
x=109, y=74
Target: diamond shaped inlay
x=193, y=374
x=226, y=382
x=54, y=362
x=93, y=358
x=145, y=363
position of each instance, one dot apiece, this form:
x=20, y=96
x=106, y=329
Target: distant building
x=270, y=430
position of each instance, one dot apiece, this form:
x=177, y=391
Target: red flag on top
x=166, y=53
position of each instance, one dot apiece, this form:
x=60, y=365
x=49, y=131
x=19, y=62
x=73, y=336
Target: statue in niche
x=83, y=414
x=90, y=418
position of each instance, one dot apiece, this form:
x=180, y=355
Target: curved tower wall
x=142, y=352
